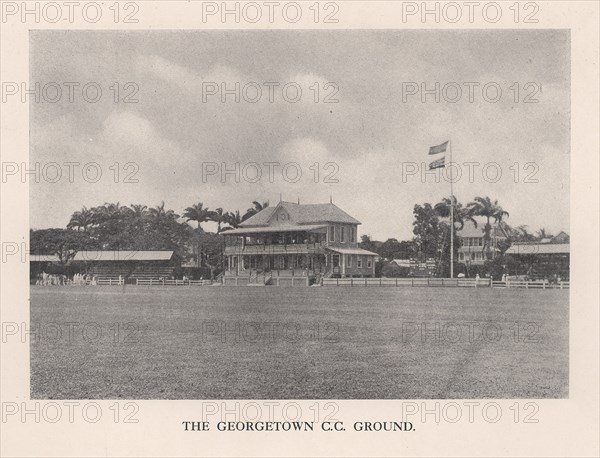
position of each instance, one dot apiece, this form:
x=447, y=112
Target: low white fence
x=445, y=282
x=531, y=284
x=169, y=282
x=106, y=281
x=432, y=282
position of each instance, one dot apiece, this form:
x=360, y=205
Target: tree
x=505, y=264
x=483, y=206
x=219, y=217
x=160, y=215
x=81, y=219
x=198, y=213
x=64, y=243
x=393, y=249
x=209, y=248
x=428, y=232
x=257, y=207
x=542, y=233
x=461, y=214
x=519, y=234
x=370, y=245
x=233, y=220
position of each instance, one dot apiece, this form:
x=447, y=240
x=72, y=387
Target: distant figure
x=503, y=277
x=476, y=280
x=120, y=279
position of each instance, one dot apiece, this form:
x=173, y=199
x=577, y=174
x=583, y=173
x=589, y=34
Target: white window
x=332, y=233
x=342, y=234
x=349, y=259
x=369, y=262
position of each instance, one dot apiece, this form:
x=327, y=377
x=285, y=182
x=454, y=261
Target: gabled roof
x=303, y=214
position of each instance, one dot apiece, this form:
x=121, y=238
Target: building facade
x=471, y=251
x=294, y=244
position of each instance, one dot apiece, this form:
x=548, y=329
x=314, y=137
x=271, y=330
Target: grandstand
x=105, y=265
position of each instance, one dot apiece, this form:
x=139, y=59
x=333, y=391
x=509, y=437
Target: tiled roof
x=303, y=214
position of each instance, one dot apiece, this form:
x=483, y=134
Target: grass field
x=321, y=343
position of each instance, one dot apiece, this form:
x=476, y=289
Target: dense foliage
x=113, y=226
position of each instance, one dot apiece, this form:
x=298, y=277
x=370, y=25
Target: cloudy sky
x=371, y=134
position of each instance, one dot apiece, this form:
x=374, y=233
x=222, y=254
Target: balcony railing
x=289, y=248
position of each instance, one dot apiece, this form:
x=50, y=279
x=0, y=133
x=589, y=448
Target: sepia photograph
x=299, y=229
x=299, y=214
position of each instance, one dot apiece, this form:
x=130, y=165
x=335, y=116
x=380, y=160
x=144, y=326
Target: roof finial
x=280, y=199
x=298, y=200
x=330, y=199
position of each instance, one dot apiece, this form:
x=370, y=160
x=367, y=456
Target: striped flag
x=439, y=148
x=438, y=164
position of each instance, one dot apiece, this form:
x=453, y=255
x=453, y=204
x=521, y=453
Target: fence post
x=396, y=281
x=412, y=281
x=351, y=281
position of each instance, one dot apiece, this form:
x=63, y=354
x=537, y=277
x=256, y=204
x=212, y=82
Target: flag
x=437, y=164
x=439, y=148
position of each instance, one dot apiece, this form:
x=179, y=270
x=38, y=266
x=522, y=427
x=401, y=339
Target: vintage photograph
x=299, y=214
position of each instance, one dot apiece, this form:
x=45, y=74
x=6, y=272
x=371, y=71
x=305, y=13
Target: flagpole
x=451, y=216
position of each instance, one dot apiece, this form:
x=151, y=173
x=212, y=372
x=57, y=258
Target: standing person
x=477, y=280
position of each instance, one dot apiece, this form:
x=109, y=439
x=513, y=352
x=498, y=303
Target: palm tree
x=139, y=211
x=159, y=214
x=219, y=217
x=483, y=206
x=257, y=207
x=461, y=214
x=521, y=234
x=198, y=213
x=138, y=215
x=108, y=211
x=81, y=219
x=233, y=219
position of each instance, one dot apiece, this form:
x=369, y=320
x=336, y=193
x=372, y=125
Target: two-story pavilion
x=471, y=246
x=294, y=244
